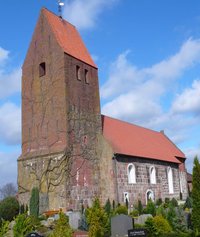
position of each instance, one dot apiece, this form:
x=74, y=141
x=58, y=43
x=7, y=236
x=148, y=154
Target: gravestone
x=142, y=219
x=120, y=225
x=34, y=234
x=139, y=232
x=74, y=219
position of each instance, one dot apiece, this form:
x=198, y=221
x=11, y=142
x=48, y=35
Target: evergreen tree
x=196, y=196
x=34, y=202
x=97, y=220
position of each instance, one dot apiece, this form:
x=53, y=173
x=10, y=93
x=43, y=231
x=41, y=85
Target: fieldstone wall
x=139, y=189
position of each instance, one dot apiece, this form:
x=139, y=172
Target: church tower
x=61, y=119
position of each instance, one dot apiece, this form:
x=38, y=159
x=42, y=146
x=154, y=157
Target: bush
x=140, y=207
x=188, y=203
x=4, y=227
x=134, y=213
x=9, y=208
x=174, y=202
x=150, y=208
x=34, y=202
x=196, y=196
x=62, y=227
x=97, y=220
x=24, y=224
x=107, y=207
x=159, y=202
x=121, y=210
x=157, y=226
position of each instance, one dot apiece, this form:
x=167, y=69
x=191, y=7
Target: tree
x=97, y=220
x=196, y=195
x=8, y=190
x=34, y=202
x=62, y=227
x=9, y=208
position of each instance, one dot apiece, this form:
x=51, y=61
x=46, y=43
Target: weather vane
x=60, y=5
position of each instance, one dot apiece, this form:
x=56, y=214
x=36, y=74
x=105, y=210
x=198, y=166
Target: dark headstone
x=120, y=225
x=34, y=234
x=139, y=232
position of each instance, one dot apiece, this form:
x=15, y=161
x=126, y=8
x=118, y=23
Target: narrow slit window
x=42, y=69
x=78, y=73
x=86, y=76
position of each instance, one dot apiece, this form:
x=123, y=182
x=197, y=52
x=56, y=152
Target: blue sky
x=148, y=54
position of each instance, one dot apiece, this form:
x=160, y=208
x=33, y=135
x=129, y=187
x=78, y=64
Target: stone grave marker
x=139, y=232
x=120, y=225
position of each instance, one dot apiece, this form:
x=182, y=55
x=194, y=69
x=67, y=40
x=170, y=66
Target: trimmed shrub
x=188, y=203
x=9, y=208
x=107, y=207
x=159, y=202
x=121, y=210
x=140, y=207
x=134, y=213
x=196, y=196
x=157, y=226
x=34, y=202
x=174, y=202
x=62, y=227
x=150, y=208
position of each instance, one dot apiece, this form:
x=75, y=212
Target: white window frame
x=152, y=174
x=131, y=173
x=170, y=180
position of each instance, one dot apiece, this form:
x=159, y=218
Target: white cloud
x=84, y=13
x=10, y=83
x=10, y=120
x=190, y=153
x=8, y=167
x=135, y=94
x=189, y=100
x=3, y=54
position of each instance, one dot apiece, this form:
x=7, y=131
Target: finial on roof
x=60, y=5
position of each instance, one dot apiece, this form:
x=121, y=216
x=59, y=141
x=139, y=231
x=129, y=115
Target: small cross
x=60, y=5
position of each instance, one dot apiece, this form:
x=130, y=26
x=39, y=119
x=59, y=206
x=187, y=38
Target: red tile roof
x=68, y=38
x=133, y=140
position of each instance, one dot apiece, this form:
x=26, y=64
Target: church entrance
x=149, y=195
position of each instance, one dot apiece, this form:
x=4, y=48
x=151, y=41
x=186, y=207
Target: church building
x=71, y=152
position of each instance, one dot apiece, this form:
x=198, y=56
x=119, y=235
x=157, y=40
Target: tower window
x=78, y=73
x=42, y=69
x=86, y=76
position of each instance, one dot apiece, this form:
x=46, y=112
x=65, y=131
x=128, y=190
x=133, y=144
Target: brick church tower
x=61, y=119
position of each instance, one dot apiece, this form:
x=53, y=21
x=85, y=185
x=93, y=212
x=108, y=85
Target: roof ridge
x=132, y=124
x=61, y=18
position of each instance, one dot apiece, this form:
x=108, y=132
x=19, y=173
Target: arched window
x=170, y=179
x=152, y=174
x=131, y=174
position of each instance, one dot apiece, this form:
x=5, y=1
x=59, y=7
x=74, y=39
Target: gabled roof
x=133, y=140
x=68, y=38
